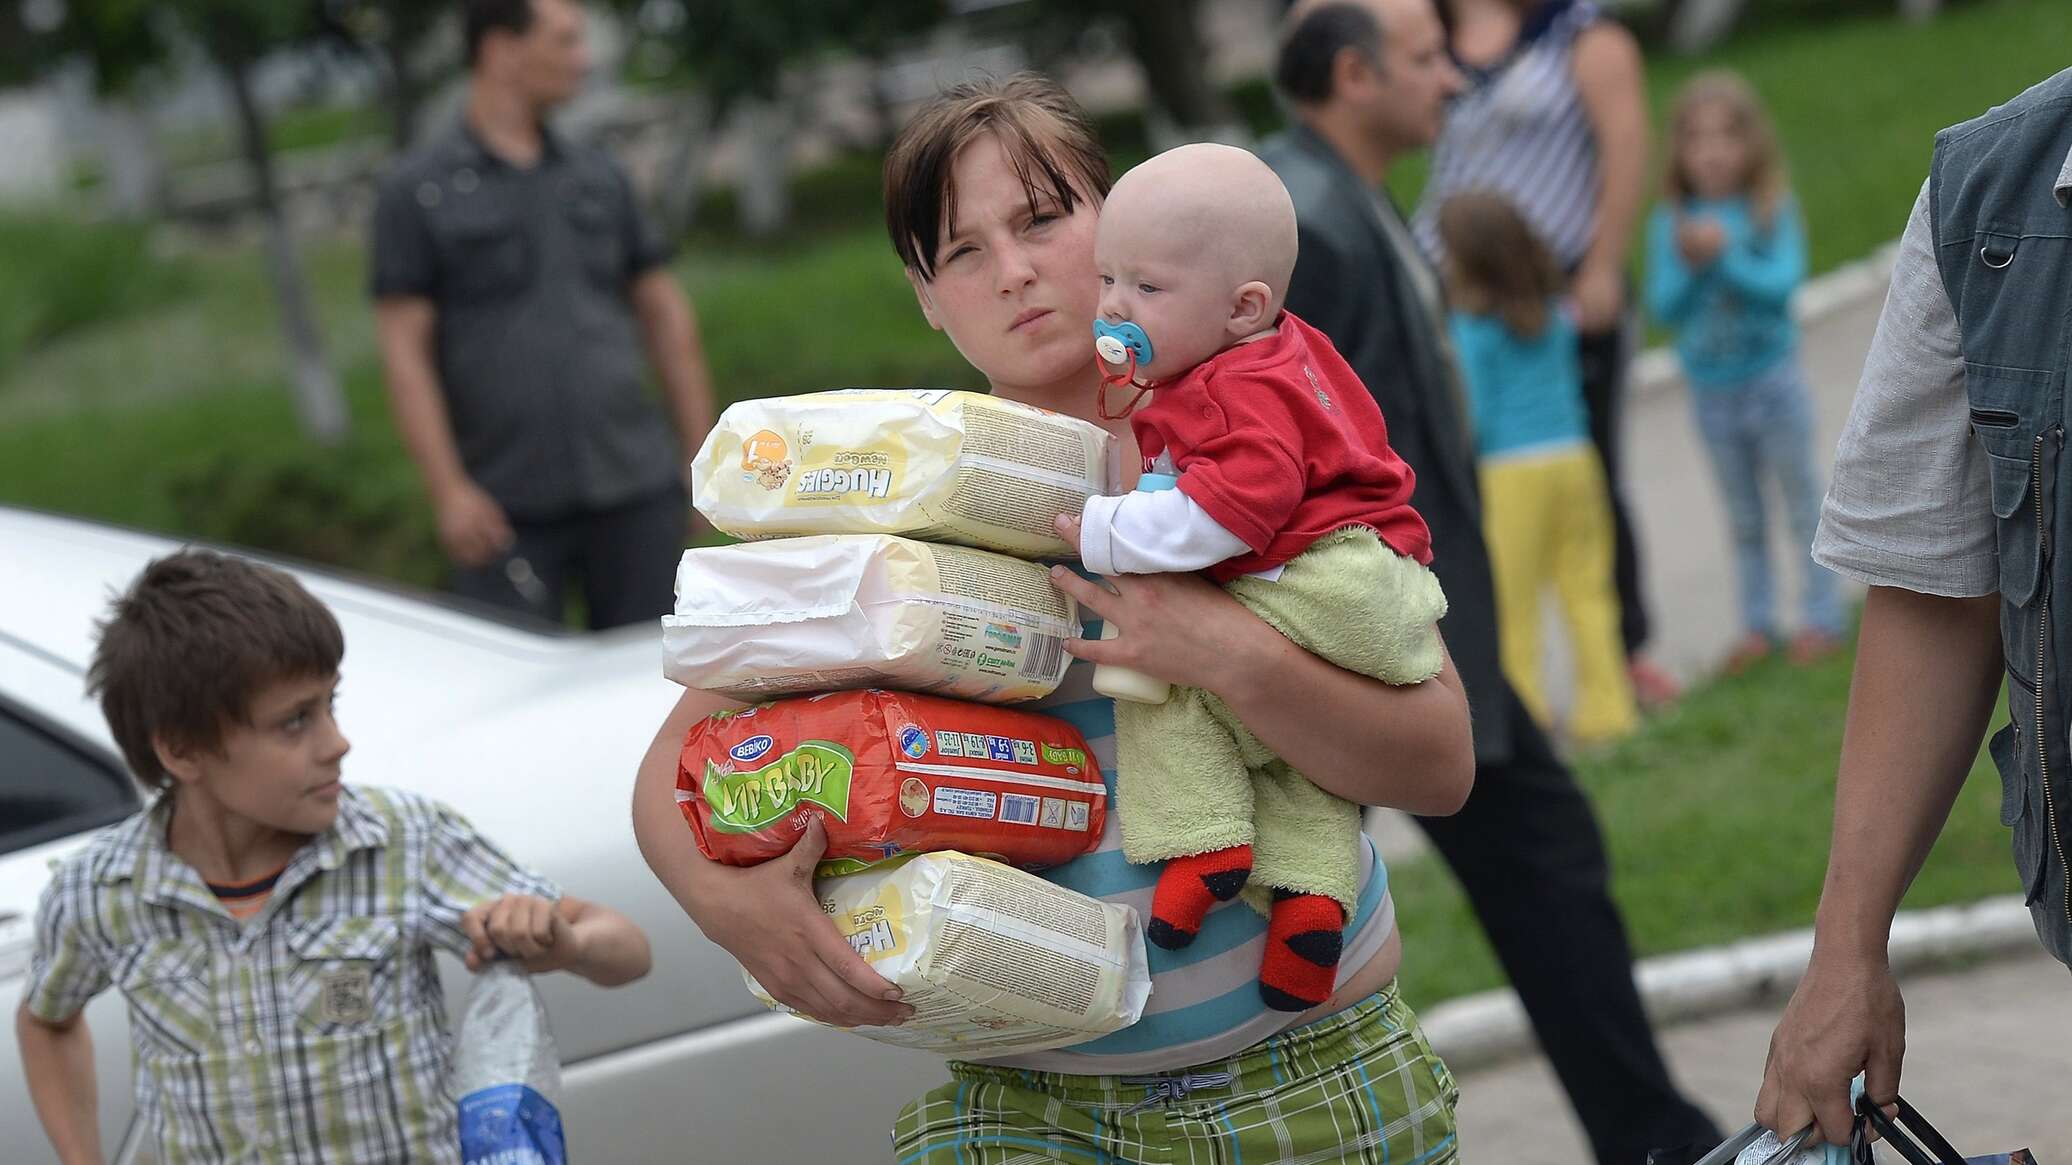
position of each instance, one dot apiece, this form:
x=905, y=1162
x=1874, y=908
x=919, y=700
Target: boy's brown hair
x=1767, y=182
x=1048, y=140
x=186, y=649
x=1495, y=264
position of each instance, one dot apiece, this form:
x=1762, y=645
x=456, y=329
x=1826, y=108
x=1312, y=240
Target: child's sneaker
x=1750, y=650
x=1653, y=688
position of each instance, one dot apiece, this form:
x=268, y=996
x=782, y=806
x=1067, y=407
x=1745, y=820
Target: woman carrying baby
x=992, y=194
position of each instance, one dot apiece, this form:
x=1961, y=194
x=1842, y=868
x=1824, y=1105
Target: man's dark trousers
x=1527, y=849
x=1604, y=359
x=624, y=558
x=1526, y=846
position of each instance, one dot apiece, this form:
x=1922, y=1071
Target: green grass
x=64, y=277
x=300, y=128
x=1717, y=819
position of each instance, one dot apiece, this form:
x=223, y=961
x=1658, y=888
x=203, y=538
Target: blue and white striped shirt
x=1205, y=1003
x=1520, y=130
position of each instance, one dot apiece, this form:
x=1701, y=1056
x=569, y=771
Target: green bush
x=61, y=275
x=343, y=507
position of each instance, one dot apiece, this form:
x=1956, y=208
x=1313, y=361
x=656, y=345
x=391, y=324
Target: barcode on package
x=1045, y=653
x=1016, y=809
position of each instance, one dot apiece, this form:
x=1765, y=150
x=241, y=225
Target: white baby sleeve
x=1153, y=532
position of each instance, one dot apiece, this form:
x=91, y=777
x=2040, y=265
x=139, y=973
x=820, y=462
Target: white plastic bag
x=830, y=612
x=932, y=464
x=993, y=960
x=507, y=1074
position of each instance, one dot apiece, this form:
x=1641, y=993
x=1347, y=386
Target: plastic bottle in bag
x=507, y=1074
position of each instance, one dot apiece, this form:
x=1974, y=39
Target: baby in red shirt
x=1287, y=493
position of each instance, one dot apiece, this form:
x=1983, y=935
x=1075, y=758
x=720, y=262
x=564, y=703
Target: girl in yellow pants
x=1545, y=506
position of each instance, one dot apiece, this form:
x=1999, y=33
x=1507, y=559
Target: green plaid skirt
x=1362, y=1085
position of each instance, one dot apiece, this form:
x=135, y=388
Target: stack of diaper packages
x=887, y=602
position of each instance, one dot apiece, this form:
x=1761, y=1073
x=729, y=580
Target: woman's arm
x=1405, y=746
x=1609, y=81
x=765, y=916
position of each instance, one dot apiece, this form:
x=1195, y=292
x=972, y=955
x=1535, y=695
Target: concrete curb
x=1481, y=1030
x=1656, y=369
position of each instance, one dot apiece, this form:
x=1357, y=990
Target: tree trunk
x=132, y=161
x=319, y=402
x=1697, y=25
x=682, y=178
x=763, y=187
x=405, y=97
x=1166, y=38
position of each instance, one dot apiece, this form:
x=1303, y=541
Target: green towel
x=1190, y=778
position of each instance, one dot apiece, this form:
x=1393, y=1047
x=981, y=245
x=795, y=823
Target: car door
x=59, y=782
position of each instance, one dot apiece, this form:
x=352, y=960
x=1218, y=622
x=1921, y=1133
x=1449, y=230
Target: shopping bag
x=1911, y=1136
x=1908, y=1136
x=507, y=1073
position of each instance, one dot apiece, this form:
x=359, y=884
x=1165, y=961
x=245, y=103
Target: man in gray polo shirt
x=516, y=285
x=1948, y=495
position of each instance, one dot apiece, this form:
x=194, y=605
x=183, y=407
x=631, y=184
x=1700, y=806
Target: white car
x=535, y=737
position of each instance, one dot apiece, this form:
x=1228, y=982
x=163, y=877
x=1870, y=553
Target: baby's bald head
x=1209, y=206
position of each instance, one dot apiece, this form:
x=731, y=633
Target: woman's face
x=1014, y=287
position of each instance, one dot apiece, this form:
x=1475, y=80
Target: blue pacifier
x=1123, y=344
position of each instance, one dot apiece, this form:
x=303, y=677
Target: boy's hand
x=1067, y=526
x=520, y=926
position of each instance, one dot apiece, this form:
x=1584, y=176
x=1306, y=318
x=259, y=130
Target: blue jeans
x=1763, y=430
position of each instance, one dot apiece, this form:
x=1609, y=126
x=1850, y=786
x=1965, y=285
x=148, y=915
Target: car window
x=52, y=784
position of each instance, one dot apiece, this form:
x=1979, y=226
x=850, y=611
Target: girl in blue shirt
x=1726, y=249
x=1546, y=509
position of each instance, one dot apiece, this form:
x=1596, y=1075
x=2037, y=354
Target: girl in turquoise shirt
x=1726, y=249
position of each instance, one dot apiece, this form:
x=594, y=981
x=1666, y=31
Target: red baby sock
x=1188, y=887
x=1304, y=936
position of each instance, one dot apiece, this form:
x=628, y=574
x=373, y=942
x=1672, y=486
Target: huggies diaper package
x=889, y=773
x=993, y=960
x=816, y=614
x=931, y=464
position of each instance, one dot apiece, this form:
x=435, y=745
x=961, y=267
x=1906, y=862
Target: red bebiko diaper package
x=890, y=773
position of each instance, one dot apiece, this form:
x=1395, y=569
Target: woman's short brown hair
x=194, y=640
x=1048, y=139
x=1495, y=264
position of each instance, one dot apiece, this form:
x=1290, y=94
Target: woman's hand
x=767, y=917
x=1600, y=295
x=1180, y=628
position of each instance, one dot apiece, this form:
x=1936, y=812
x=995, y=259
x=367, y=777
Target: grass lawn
x=1717, y=818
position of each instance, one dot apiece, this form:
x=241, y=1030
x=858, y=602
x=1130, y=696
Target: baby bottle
x=1121, y=683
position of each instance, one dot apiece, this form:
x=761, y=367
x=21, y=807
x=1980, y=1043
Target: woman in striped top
x=1554, y=119
x=992, y=194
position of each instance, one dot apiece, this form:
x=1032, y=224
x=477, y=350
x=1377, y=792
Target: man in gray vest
x=1368, y=81
x=1949, y=495
x=516, y=285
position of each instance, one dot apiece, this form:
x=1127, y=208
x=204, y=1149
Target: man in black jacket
x=1367, y=81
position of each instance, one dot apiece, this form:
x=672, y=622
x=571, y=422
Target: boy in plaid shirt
x=271, y=928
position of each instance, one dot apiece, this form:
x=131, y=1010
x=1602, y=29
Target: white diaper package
x=932, y=464
x=992, y=959
x=767, y=619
